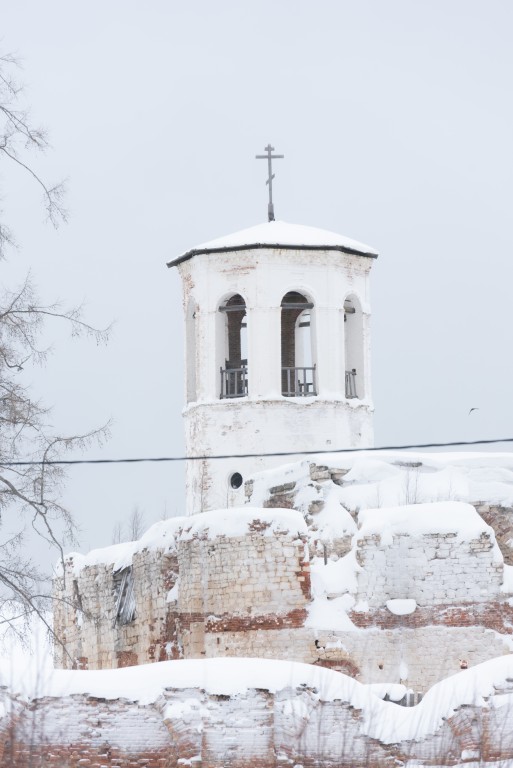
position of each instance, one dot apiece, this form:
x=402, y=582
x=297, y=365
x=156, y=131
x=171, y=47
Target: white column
x=367, y=355
x=329, y=348
x=264, y=351
x=207, y=374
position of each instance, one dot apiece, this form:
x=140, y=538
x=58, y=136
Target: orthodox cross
x=269, y=157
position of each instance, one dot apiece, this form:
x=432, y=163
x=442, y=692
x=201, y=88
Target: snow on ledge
x=388, y=478
x=165, y=534
x=420, y=519
x=239, y=521
x=401, y=607
x=161, y=535
x=232, y=676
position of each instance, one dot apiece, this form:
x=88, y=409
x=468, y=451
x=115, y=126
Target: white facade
x=264, y=379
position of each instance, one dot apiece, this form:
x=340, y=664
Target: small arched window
x=297, y=363
x=353, y=344
x=234, y=370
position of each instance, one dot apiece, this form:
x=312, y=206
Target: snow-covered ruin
x=311, y=585
x=412, y=600
x=343, y=609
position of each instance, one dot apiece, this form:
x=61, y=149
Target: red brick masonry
x=494, y=615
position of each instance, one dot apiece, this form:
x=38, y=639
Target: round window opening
x=236, y=480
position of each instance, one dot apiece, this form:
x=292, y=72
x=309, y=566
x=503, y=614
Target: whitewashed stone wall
x=237, y=585
x=264, y=420
x=418, y=658
x=434, y=569
x=292, y=643
x=257, y=424
x=226, y=575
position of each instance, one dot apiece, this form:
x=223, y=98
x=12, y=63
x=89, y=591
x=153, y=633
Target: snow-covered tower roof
x=277, y=352
x=279, y=235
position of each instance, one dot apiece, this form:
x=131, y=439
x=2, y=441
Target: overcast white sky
x=395, y=119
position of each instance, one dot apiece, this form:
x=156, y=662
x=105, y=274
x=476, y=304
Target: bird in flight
x=472, y=409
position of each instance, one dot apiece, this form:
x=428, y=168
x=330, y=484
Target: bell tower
x=277, y=353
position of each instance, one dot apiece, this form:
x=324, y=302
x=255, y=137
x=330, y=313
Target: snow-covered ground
x=34, y=678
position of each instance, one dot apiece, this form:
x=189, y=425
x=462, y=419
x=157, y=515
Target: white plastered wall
x=265, y=421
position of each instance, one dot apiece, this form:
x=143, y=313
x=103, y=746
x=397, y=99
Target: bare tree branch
x=29, y=495
x=19, y=136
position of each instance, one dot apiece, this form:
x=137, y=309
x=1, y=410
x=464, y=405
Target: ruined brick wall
x=418, y=658
x=287, y=495
x=222, y=730
x=501, y=520
x=271, y=641
x=231, y=587
x=249, y=595
x=85, y=615
x=84, y=731
x=227, y=595
x=320, y=479
x=433, y=569
x=257, y=728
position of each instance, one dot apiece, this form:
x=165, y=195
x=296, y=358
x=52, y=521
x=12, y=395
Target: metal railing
x=298, y=382
x=351, y=384
x=234, y=382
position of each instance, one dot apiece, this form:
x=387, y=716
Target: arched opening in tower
x=297, y=354
x=353, y=349
x=234, y=373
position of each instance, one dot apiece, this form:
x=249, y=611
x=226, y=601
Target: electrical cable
x=157, y=459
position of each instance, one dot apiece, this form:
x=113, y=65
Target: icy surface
x=282, y=233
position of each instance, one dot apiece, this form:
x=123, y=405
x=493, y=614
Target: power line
x=157, y=459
